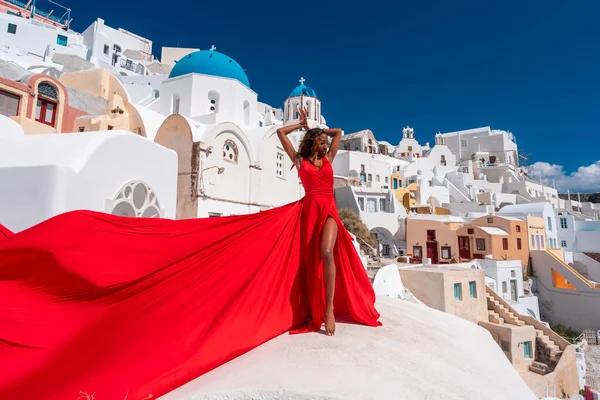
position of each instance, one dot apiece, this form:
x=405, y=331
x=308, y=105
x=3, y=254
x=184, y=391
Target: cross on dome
x=302, y=80
x=213, y=48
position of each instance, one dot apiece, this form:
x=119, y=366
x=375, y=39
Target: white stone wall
x=234, y=102
x=34, y=36
x=46, y=175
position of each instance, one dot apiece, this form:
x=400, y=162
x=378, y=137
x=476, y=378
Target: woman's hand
x=302, y=118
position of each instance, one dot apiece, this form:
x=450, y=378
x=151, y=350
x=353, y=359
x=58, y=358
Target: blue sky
x=531, y=67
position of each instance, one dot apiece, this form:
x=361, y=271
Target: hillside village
x=94, y=120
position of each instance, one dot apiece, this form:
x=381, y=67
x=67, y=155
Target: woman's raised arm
x=336, y=134
x=286, y=130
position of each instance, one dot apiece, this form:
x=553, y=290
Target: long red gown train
x=133, y=308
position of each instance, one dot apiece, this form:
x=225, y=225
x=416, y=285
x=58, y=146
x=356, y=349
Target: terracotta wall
x=416, y=235
x=516, y=230
x=65, y=114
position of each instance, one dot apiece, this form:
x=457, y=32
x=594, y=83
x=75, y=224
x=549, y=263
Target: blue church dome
x=302, y=89
x=209, y=62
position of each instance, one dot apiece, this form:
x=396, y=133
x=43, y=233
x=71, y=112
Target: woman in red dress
x=320, y=228
x=117, y=307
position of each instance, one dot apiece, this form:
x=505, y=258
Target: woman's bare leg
x=328, y=239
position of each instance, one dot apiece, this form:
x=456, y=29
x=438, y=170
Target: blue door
x=527, y=349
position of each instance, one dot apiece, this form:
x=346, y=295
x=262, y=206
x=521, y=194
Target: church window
x=106, y=49
x=409, y=148
x=443, y=160
x=47, y=90
x=136, y=199
x=230, y=151
x=280, y=171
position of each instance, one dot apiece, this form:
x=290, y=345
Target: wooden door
x=432, y=252
x=464, y=248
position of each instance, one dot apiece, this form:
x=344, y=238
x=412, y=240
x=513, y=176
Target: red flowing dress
x=117, y=307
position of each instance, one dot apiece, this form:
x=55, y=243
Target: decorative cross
x=302, y=80
x=213, y=48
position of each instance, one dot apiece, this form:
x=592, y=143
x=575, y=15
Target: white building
x=508, y=284
x=45, y=175
x=117, y=49
x=441, y=155
x=303, y=96
x=242, y=166
x=543, y=210
x=41, y=43
x=374, y=170
x=489, y=146
x=409, y=148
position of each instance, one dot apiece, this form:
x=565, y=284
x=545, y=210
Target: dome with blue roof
x=303, y=90
x=209, y=62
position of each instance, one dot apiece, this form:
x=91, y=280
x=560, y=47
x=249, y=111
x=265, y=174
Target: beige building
x=433, y=237
x=455, y=290
x=542, y=358
x=119, y=112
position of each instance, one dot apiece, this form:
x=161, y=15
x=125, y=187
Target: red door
x=464, y=249
x=432, y=253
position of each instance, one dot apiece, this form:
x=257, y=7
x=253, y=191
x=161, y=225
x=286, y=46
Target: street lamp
x=201, y=191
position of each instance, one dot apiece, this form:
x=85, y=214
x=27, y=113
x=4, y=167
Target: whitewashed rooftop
x=418, y=353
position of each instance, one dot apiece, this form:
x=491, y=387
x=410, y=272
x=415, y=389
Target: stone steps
x=495, y=318
x=499, y=312
x=539, y=368
x=508, y=316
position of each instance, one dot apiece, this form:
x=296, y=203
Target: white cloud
x=584, y=180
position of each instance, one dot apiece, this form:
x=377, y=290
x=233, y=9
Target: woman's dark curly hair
x=308, y=145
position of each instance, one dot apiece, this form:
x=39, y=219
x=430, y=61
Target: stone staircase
x=547, y=353
x=499, y=312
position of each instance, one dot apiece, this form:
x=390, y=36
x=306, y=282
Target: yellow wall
x=101, y=83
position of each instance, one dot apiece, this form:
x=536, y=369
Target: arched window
x=230, y=151
x=48, y=90
x=45, y=110
x=136, y=199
